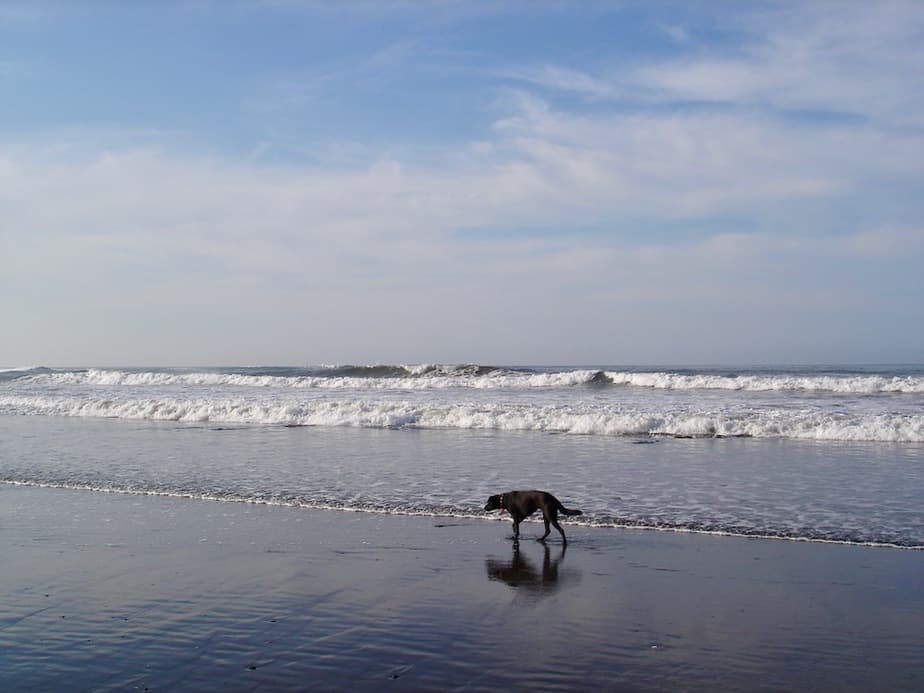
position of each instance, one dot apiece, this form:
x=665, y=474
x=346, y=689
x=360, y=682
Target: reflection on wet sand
x=522, y=574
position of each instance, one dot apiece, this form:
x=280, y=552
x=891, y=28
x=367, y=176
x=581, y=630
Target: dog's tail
x=565, y=511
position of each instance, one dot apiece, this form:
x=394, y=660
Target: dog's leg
x=545, y=519
x=552, y=517
x=564, y=539
x=516, y=528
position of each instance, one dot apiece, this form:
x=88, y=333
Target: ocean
x=828, y=454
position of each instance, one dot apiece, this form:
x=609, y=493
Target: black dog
x=522, y=504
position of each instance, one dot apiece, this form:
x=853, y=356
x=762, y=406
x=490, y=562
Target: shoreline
x=476, y=517
x=115, y=591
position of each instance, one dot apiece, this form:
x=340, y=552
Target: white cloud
x=543, y=168
x=470, y=253
x=860, y=59
x=174, y=237
x=677, y=166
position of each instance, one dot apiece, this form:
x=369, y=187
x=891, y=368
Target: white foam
x=420, y=378
x=844, y=384
x=427, y=376
x=587, y=420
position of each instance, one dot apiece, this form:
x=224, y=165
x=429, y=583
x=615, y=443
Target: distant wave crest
x=844, y=384
x=428, y=376
x=9, y=374
x=334, y=378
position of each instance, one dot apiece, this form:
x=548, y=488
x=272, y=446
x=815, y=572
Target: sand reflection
x=522, y=574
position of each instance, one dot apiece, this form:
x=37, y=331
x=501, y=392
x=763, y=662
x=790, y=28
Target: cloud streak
x=861, y=60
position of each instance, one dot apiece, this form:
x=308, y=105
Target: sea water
x=816, y=454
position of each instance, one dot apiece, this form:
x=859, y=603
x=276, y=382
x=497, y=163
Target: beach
x=251, y=529
x=119, y=591
x=293, y=289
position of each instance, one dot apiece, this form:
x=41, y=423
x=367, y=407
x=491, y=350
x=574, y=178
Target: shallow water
x=843, y=492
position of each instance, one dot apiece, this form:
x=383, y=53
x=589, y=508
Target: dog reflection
x=522, y=574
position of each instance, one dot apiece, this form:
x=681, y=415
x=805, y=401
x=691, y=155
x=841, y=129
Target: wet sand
x=120, y=592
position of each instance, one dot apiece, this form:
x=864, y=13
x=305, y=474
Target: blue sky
x=300, y=182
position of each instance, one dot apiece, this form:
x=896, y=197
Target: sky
x=297, y=182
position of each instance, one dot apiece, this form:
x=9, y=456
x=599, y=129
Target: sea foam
x=585, y=420
x=481, y=377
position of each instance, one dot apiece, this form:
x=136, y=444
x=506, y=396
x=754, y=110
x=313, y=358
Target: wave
x=839, y=383
x=402, y=371
x=428, y=376
x=9, y=374
x=572, y=419
x=858, y=538
x=335, y=378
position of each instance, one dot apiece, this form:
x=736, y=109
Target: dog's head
x=494, y=503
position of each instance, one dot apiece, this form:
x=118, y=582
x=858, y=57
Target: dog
x=522, y=504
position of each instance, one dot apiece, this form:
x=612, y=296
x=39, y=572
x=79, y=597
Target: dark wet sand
x=119, y=592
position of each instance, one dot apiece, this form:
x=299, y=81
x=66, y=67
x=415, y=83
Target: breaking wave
x=422, y=377
x=841, y=383
x=601, y=419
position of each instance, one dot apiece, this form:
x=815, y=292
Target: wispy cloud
x=676, y=32
x=566, y=80
x=861, y=60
